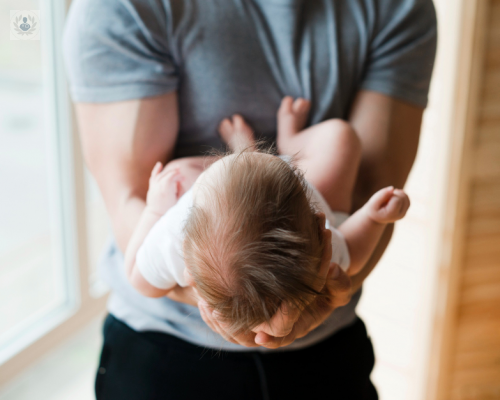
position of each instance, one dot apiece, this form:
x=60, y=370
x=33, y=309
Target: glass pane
x=33, y=282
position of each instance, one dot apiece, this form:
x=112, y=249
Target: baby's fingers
x=156, y=169
x=169, y=177
x=379, y=199
x=398, y=204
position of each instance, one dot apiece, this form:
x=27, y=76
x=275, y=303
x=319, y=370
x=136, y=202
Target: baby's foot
x=237, y=133
x=292, y=118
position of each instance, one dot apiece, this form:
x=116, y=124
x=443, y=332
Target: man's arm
x=121, y=143
x=389, y=131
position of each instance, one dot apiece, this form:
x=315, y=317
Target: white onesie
x=160, y=257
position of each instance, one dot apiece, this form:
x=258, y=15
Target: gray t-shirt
x=241, y=56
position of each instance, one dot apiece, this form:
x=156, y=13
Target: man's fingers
x=243, y=339
x=327, y=255
x=339, y=287
x=211, y=319
x=281, y=324
x=322, y=220
x=205, y=315
x=271, y=342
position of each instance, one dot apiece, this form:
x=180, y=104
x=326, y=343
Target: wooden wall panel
x=475, y=371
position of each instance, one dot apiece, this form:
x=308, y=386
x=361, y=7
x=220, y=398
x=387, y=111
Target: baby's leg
x=329, y=153
x=237, y=133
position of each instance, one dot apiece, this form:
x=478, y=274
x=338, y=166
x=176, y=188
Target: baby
x=246, y=228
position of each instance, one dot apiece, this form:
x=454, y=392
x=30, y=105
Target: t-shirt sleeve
x=117, y=50
x=402, y=51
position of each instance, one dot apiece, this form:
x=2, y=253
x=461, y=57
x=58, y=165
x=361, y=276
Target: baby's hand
x=388, y=205
x=164, y=189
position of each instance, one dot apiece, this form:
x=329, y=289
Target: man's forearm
x=389, y=131
x=124, y=219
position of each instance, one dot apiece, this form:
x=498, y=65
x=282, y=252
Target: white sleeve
x=340, y=251
x=160, y=259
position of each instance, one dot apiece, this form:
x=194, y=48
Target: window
x=49, y=240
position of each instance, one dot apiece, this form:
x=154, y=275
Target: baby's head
x=253, y=239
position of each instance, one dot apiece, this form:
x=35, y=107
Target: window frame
x=80, y=307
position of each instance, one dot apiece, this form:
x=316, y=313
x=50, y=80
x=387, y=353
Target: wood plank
x=485, y=197
x=489, y=391
x=483, y=292
x=477, y=276
x=488, y=132
x=477, y=376
x=480, y=261
x=491, y=93
x=484, y=224
x=493, y=58
x=483, y=245
x=486, y=160
x=475, y=313
x=477, y=359
x=477, y=336
x=490, y=109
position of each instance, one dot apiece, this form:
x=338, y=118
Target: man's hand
x=164, y=189
x=336, y=293
x=217, y=325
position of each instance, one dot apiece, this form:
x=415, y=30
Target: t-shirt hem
x=118, y=93
x=406, y=95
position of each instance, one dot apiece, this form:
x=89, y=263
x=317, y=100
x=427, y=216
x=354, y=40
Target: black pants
x=150, y=365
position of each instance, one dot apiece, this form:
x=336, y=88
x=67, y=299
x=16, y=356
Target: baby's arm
x=163, y=193
x=363, y=230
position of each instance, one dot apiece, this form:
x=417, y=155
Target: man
x=152, y=79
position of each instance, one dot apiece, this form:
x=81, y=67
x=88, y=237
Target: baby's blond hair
x=255, y=241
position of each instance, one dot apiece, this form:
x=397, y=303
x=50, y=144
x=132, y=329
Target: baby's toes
x=286, y=107
x=226, y=129
x=301, y=106
x=240, y=126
